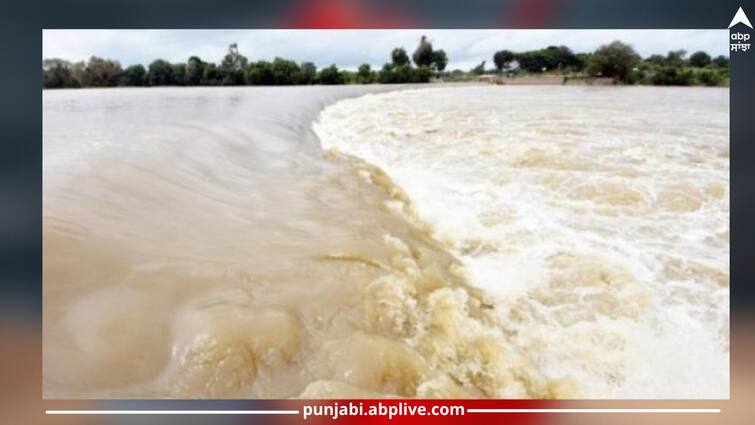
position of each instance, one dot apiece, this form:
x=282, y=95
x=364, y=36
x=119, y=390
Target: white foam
x=596, y=217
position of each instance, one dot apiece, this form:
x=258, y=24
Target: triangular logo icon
x=740, y=17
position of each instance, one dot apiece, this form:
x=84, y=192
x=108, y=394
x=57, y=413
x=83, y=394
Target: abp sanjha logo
x=739, y=41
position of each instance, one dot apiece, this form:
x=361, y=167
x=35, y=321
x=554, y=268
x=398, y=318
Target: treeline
x=616, y=60
x=235, y=69
x=619, y=61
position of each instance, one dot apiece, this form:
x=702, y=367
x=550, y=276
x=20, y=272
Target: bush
x=479, y=69
x=672, y=76
x=709, y=77
x=421, y=74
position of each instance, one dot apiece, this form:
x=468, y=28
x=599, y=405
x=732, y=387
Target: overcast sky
x=349, y=48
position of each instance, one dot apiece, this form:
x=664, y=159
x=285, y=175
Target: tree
x=582, y=59
x=194, y=71
x=308, y=73
x=135, y=75
x=179, y=74
x=552, y=57
x=699, y=59
x=385, y=76
x=399, y=57
x=503, y=59
x=440, y=60
x=210, y=75
x=260, y=73
x=101, y=72
x=531, y=61
x=330, y=75
x=561, y=57
x=233, y=59
x=56, y=73
x=365, y=74
x=721, y=61
x=160, y=73
x=613, y=60
x=675, y=58
x=286, y=72
x=232, y=67
x=77, y=73
x=655, y=59
x=423, y=56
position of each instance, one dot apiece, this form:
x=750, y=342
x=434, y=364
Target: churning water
x=448, y=242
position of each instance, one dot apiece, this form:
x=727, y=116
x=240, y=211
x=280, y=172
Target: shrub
x=709, y=77
x=672, y=76
x=479, y=69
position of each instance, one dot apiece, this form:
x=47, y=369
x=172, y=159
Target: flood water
x=435, y=242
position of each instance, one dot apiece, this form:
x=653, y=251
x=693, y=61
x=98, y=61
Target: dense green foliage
x=135, y=75
x=399, y=57
x=502, y=59
x=699, y=59
x=160, y=73
x=552, y=57
x=616, y=60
